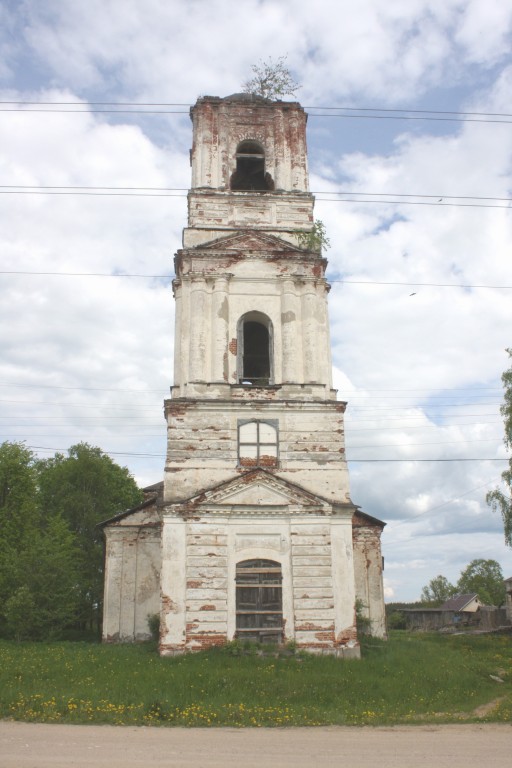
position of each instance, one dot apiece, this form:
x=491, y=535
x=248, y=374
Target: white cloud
x=485, y=30
x=372, y=49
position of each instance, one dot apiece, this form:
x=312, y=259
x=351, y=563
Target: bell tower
x=257, y=519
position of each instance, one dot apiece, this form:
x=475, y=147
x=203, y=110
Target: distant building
x=460, y=604
x=508, y=599
x=253, y=533
x=460, y=611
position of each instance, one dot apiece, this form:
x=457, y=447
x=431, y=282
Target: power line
x=119, y=194
x=381, y=198
x=314, y=106
x=88, y=187
x=414, y=445
x=330, y=280
x=420, y=285
x=63, y=403
x=380, y=419
x=380, y=389
x=86, y=110
x=109, y=453
x=438, y=204
x=406, y=117
x=412, y=111
x=370, y=113
x=439, y=198
x=86, y=389
x=108, y=103
x=354, y=409
x=358, y=461
x=371, y=446
x=430, y=406
x=408, y=461
x=349, y=430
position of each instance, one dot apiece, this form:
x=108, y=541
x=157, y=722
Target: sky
x=410, y=159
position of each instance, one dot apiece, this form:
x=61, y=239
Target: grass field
x=410, y=679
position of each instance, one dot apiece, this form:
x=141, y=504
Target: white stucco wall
x=132, y=582
x=317, y=578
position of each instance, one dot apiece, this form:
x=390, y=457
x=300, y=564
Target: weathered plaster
x=241, y=259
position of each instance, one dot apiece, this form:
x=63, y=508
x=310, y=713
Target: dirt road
x=27, y=745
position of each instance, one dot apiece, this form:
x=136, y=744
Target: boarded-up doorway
x=259, y=601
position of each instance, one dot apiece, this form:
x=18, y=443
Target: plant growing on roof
x=272, y=79
x=315, y=239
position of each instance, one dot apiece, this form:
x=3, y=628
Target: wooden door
x=259, y=601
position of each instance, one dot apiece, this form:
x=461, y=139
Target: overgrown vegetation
x=271, y=79
x=410, y=679
x=315, y=239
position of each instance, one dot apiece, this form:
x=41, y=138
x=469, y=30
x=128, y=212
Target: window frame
x=274, y=423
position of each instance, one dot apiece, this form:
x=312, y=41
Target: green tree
x=484, y=577
x=38, y=553
x=272, y=79
x=18, y=514
x=19, y=612
x=51, y=574
x=84, y=488
x=45, y=600
x=437, y=591
x=18, y=491
x=499, y=499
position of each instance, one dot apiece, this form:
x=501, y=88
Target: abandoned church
x=252, y=533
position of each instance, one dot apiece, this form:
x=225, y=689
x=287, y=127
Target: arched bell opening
x=250, y=174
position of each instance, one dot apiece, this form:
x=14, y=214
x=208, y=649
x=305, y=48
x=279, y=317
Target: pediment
x=247, y=241
x=257, y=492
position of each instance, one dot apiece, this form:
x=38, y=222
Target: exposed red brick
x=205, y=641
x=347, y=636
x=309, y=626
x=168, y=605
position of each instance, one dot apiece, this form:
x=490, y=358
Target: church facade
x=252, y=533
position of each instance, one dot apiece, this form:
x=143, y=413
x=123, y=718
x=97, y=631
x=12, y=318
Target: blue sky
x=418, y=349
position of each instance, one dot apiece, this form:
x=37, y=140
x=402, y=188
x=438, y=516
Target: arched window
x=255, y=350
x=257, y=443
x=250, y=169
x=259, y=601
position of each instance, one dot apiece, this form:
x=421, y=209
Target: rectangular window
x=257, y=443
